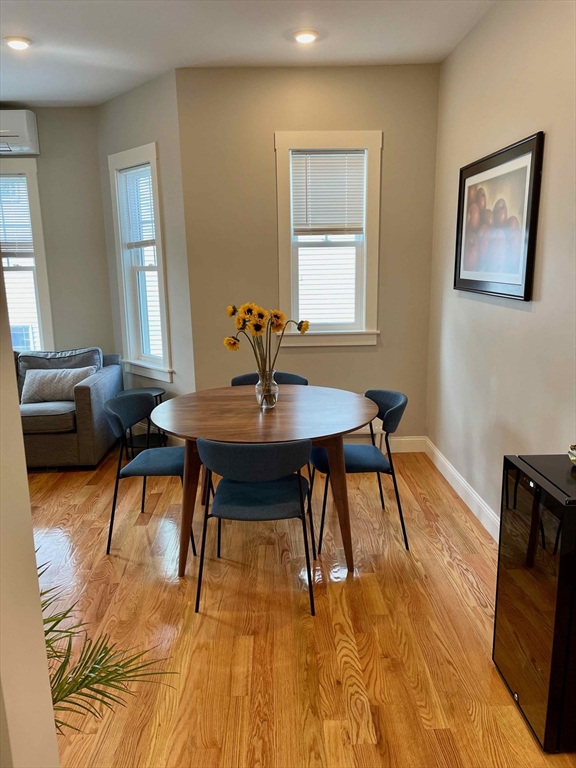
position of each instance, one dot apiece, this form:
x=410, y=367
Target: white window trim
x=121, y=160
x=28, y=167
x=371, y=141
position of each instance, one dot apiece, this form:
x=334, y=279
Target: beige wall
x=139, y=117
x=227, y=122
x=501, y=376
x=71, y=202
x=26, y=718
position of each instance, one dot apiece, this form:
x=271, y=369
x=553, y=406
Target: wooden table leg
x=335, y=449
x=192, y=466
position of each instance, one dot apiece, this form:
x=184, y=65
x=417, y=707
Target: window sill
x=148, y=370
x=331, y=339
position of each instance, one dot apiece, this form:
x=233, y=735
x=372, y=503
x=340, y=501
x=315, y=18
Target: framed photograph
x=497, y=219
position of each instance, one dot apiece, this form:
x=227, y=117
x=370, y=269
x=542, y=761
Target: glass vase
x=266, y=390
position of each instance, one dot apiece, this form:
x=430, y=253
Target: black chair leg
x=202, y=551
x=143, y=494
x=381, y=491
x=323, y=518
x=219, y=535
x=114, y=500
x=543, y=535
x=312, y=536
x=393, y=473
x=312, y=478
x=308, y=569
x=400, y=509
x=193, y=542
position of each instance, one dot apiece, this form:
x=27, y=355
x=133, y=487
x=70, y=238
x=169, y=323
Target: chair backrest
x=280, y=377
x=254, y=462
x=391, y=407
x=126, y=410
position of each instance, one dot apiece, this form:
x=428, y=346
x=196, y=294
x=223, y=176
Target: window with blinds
x=328, y=214
x=19, y=263
x=140, y=265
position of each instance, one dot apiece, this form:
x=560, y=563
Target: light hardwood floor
x=394, y=670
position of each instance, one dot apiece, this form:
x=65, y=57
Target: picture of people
x=495, y=225
x=497, y=220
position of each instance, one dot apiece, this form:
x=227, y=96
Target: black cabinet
x=535, y=618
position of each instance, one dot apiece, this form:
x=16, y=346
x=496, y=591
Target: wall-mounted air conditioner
x=18, y=132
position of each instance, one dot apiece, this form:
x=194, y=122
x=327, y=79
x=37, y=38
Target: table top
x=231, y=414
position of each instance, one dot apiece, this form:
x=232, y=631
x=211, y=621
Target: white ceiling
x=86, y=51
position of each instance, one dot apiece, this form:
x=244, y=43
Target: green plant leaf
x=100, y=676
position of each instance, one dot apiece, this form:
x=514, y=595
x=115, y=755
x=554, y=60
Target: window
x=23, y=258
x=140, y=267
x=328, y=217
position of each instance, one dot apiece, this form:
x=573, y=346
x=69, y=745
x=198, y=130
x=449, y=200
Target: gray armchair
x=70, y=433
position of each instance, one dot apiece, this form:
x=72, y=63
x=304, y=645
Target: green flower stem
x=280, y=341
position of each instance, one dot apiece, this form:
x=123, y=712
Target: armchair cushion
x=48, y=417
x=42, y=386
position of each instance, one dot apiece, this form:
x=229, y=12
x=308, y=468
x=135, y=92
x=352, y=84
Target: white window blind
x=328, y=213
x=328, y=192
x=18, y=263
x=136, y=207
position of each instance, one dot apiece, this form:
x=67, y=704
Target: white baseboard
x=408, y=444
x=469, y=496
x=423, y=444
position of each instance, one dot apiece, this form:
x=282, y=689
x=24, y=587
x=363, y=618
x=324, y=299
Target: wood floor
x=394, y=670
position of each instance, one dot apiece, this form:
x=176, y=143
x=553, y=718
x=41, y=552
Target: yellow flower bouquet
x=260, y=326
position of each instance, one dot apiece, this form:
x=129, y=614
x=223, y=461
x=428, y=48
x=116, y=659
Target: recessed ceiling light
x=306, y=36
x=19, y=43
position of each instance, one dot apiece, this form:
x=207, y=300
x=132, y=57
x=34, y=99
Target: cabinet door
x=528, y=568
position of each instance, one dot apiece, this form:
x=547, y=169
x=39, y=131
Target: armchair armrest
x=112, y=358
x=94, y=434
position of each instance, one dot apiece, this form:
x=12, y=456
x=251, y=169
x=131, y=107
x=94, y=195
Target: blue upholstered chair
x=280, y=377
x=368, y=458
x=260, y=481
x=123, y=413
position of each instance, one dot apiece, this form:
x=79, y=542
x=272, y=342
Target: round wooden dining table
x=232, y=415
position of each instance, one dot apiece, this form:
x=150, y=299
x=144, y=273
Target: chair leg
x=307, y=553
x=114, y=500
x=400, y=509
x=381, y=491
x=219, y=535
x=323, y=518
x=312, y=478
x=396, y=493
x=311, y=520
x=143, y=494
x=308, y=569
x=202, y=551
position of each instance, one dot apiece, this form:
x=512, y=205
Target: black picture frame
x=495, y=252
